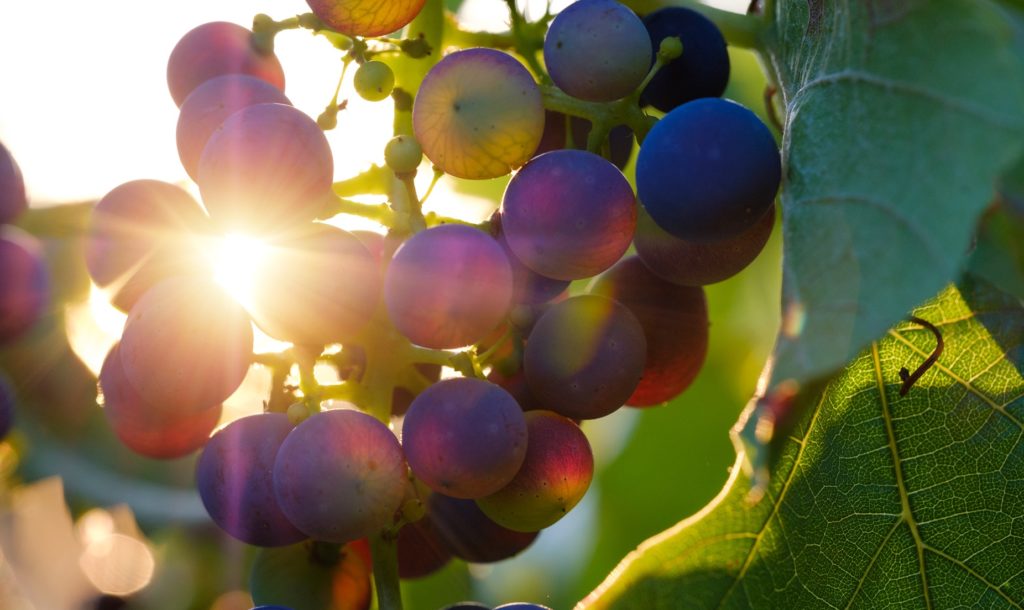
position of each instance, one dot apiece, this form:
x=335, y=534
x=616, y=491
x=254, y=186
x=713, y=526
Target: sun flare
x=236, y=260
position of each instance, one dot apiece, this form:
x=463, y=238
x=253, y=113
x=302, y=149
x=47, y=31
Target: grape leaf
x=998, y=255
x=877, y=500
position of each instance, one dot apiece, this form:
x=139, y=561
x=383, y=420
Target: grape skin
x=470, y=534
x=708, y=170
x=597, y=50
x=24, y=283
x=568, y=214
x=340, y=475
x=584, y=357
x=703, y=68
x=233, y=476
x=6, y=406
x=210, y=104
x=266, y=169
x=465, y=438
x=13, y=200
x=421, y=551
x=478, y=114
x=366, y=17
x=214, y=49
x=528, y=286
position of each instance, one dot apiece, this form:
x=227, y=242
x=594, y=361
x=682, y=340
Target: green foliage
x=876, y=500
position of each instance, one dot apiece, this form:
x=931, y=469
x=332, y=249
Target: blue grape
x=234, y=480
x=568, y=214
x=597, y=50
x=340, y=475
x=210, y=104
x=24, y=283
x=6, y=406
x=708, y=170
x=214, y=49
x=448, y=287
x=13, y=200
x=585, y=357
x=267, y=168
x=465, y=438
x=472, y=535
x=703, y=68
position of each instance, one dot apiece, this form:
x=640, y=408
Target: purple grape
x=318, y=285
x=528, y=286
x=597, y=50
x=340, y=475
x=703, y=68
x=140, y=233
x=421, y=551
x=465, y=438
x=234, y=479
x=214, y=49
x=708, y=170
x=267, y=168
x=675, y=323
x=585, y=357
x=13, y=200
x=448, y=286
x=568, y=214
x=472, y=535
x=159, y=431
x=210, y=104
x=6, y=406
x=366, y=17
x=620, y=138
x=24, y=283
x=186, y=342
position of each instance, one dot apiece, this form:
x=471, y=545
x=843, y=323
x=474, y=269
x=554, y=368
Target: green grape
x=374, y=81
x=403, y=154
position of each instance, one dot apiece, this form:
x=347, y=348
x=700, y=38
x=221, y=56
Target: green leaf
x=999, y=254
x=877, y=500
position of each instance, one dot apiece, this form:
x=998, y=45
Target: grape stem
x=529, y=39
x=384, y=549
x=744, y=31
x=455, y=36
x=380, y=213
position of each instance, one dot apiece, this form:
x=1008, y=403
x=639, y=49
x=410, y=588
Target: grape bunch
x=539, y=315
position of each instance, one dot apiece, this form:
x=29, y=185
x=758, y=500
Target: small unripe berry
x=374, y=81
x=403, y=154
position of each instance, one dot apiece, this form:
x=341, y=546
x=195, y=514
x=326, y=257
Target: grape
x=515, y=384
x=472, y=535
x=140, y=233
x=597, y=50
x=620, y=138
x=374, y=81
x=214, y=49
x=319, y=284
x=210, y=104
x=233, y=476
x=703, y=68
x=555, y=475
x=708, y=170
x=690, y=263
x=6, y=406
x=521, y=606
x=448, y=286
x=466, y=606
x=465, y=438
x=568, y=214
x=366, y=17
x=478, y=114
x=528, y=286
x=403, y=154
x=420, y=550
x=267, y=168
x=159, y=431
x=340, y=475
x=13, y=200
x=675, y=323
x=584, y=357
x=186, y=342
x=24, y=283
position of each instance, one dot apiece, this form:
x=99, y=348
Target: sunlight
x=235, y=259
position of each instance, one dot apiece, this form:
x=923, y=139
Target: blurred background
x=84, y=523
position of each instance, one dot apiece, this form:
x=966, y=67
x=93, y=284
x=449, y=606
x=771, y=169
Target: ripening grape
x=374, y=81
x=675, y=323
x=465, y=438
x=6, y=406
x=584, y=357
x=234, y=480
x=210, y=104
x=214, y=49
x=521, y=606
x=597, y=50
x=313, y=576
x=472, y=535
x=703, y=68
x=467, y=606
x=620, y=138
x=159, y=431
x=366, y=17
x=420, y=550
x=568, y=214
x=555, y=475
x=690, y=263
x=318, y=284
x=708, y=170
x=140, y=233
x=515, y=384
x=24, y=282
x=528, y=286
x=13, y=200
x=340, y=475
x=478, y=114
x=448, y=286
x=186, y=342
x=267, y=168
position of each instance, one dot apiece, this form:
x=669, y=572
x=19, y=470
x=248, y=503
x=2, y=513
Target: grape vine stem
x=384, y=549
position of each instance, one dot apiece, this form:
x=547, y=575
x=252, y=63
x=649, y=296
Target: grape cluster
x=493, y=453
